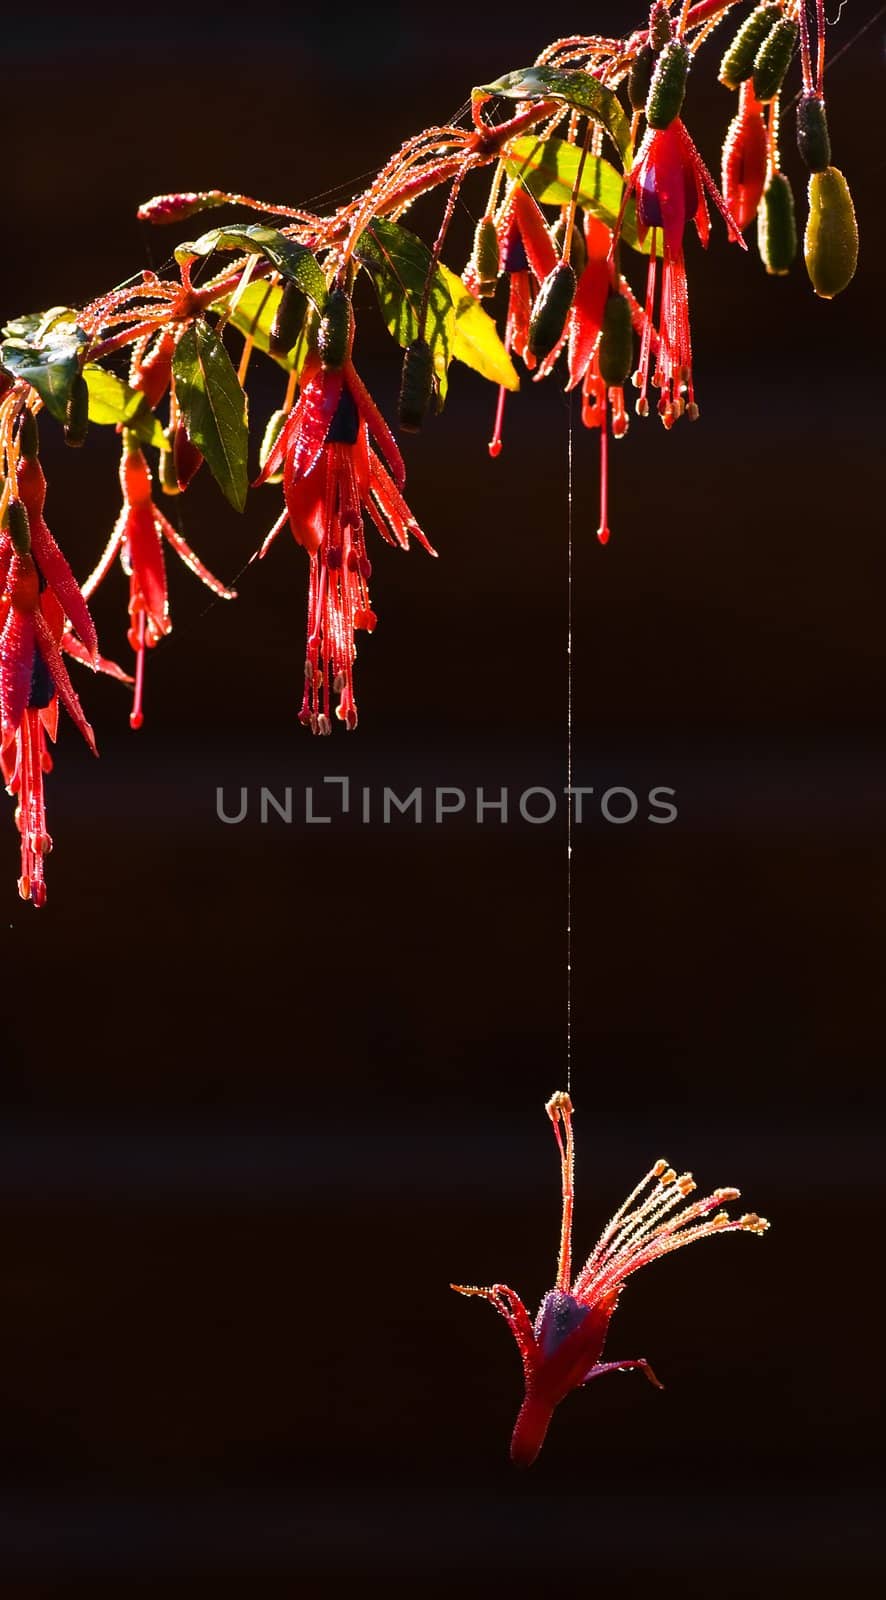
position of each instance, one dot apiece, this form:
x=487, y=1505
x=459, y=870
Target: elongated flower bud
x=336, y=330
x=640, y=77
x=773, y=59
x=77, y=413
x=745, y=158
x=738, y=62
x=164, y=208
x=831, y=243
x=19, y=527
x=29, y=438
x=777, y=226
x=416, y=385
x=616, y=350
x=552, y=307
x=485, y=259
x=668, y=87
x=271, y=434
x=813, y=139
x=287, y=321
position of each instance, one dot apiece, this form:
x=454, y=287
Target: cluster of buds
x=593, y=169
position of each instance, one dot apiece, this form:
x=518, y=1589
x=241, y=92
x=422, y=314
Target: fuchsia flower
x=561, y=1350
x=339, y=460
x=138, y=539
x=668, y=180
x=33, y=678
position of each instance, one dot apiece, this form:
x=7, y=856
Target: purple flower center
x=558, y=1316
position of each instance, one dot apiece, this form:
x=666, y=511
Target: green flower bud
x=773, y=59
x=831, y=243
x=667, y=90
x=616, y=341
x=77, y=412
x=416, y=385
x=738, y=62
x=19, y=527
x=336, y=330
x=287, y=322
x=777, y=226
x=552, y=307
x=813, y=139
x=485, y=258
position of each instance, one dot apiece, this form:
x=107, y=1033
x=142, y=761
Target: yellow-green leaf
x=113, y=403
x=475, y=340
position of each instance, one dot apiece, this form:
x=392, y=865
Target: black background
x=267, y=1089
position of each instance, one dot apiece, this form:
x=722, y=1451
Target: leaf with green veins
x=293, y=261
x=398, y=264
x=44, y=349
x=476, y=342
x=253, y=316
x=578, y=89
x=549, y=167
x=113, y=403
x=213, y=407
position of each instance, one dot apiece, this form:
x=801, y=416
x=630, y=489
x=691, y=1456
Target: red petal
x=59, y=576
x=66, y=693
x=375, y=422
x=16, y=666
x=537, y=241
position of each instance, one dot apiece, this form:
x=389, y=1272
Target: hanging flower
x=339, y=460
x=561, y=1350
x=668, y=180
x=138, y=539
x=33, y=678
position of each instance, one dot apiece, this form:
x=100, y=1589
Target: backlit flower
x=138, y=539
x=562, y=1348
x=339, y=460
x=668, y=180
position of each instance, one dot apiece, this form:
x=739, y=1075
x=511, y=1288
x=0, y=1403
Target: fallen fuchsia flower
x=669, y=180
x=33, y=678
x=562, y=1349
x=331, y=475
x=138, y=539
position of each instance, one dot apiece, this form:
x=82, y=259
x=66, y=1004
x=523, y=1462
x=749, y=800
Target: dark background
x=268, y=1089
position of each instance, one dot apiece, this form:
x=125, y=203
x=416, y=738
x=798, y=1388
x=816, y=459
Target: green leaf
x=112, y=402
x=398, y=264
x=579, y=89
x=549, y=168
x=213, y=407
x=253, y=316
x=294, y=261
x=475, y=340
x=44, y=349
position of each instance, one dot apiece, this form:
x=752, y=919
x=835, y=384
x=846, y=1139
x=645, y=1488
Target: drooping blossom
x=33, y=679
x=138, y=539
x=528, y=256
x=562, y=1349
x=339, y=460
x=669, y=180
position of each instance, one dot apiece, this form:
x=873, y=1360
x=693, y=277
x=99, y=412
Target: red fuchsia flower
x=528, y=256
x=561, y=1350
x=138, y=539
x=339, y=460
x=668, y=180
x=33, y=678
x=745, y=158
